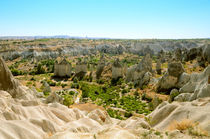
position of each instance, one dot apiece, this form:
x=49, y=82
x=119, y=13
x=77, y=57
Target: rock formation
x=117, y=69
x=158, y=67
x=47, y=88
x=178, y=54
x=196, y=87
x=62, y=68
x=80, y=69
x=206, y=53
x=196, y=111
x=11, y=85
x=171, y=78
x=100, y=67
x=140, y=74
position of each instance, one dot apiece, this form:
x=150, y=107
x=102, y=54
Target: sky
x=129, y=19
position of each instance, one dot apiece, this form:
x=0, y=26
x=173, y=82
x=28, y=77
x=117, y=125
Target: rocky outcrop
x=196, y=111
x=206, y=53
x=172, y=78
x=140, y=74
x=175, y=69
x=11, y=85
x=62, y=68
x=46, y=88
x=54, y=97
x=117, y=70
x=100, y=67
x=158, y=67
x=197, y=85
x=80, y=69
x=178, y=54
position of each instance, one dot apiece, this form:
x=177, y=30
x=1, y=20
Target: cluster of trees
x=44, y=66
x=107, y=95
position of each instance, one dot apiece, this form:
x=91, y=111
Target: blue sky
x=135, y=19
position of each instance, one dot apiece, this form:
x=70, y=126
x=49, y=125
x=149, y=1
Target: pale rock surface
x=197, y=111
x=197, y=85
x=140, y=74
x=173, y=78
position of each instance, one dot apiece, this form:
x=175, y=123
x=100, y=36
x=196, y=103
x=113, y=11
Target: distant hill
x=44, y=37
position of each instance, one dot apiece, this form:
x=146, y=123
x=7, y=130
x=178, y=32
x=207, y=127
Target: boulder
x=183, y=97
x=175, y=69
x=166, y=83
x=183, y=79
x=172, y=77
x=47, y=88
x=54, y=97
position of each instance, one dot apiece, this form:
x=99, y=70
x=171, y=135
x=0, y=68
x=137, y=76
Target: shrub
x=75, y=85
x=33, y=79
x=16, y=72
x=128, y=114
x=136, y=94
x=146, y=97
x=182, y=125
x=68, y=100
x=188, y=125
x=40, y=69
x=124, y=91
x=100, y=81
x=46, y=93
x=51, y=83
x=63, y=85
x=173, y=94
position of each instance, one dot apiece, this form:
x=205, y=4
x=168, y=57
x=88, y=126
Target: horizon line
x=82, y=37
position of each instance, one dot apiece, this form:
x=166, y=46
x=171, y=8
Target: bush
x=146, y=97
x=75, y=80
x=128, y=114
x=68, y=100
x=16, y=72
x=51, y=83
x=136, y=94
x=40, y=69
x=33, y=79
x=63, y=85
x=124, y=91
x=75, y=85
x=100, y=81
x=173, y=94
x=187, y=125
